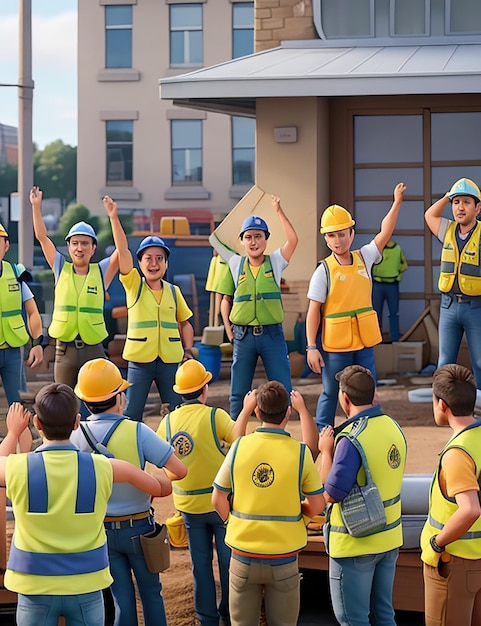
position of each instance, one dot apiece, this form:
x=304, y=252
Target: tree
x=8, y=179
x=55, y=171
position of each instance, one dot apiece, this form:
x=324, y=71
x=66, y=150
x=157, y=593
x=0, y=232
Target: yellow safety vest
x=348, y=320
x=81, y=313
x=465, y=266
x=256, y=300
x=266, y=517
x=191, y=430
x=59, y=498
x=12, y=328
x=153, y=330
x=384, y=445
x=442, y=508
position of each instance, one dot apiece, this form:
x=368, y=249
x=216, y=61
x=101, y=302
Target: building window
x=119, y=152
x=118, y=36
x=347, y=18
x=242, y=29
x=186, y=152
x=463, y=16
x=409, y=17
x=243, y=150
x=186, y=37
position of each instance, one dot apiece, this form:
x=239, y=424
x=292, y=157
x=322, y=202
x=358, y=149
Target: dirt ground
x=424, y=442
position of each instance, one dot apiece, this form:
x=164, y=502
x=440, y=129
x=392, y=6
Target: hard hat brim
x=181, y=391
x=122, y=387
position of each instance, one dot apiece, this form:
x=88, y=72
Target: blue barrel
x=210, y=357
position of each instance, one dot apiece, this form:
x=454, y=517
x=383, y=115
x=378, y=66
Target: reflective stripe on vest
x=256, y=298
x=79, y=313
x=12, y=327
x=465, y=265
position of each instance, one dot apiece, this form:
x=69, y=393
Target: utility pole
x=25, y=134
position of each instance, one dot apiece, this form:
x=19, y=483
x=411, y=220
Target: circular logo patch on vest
x=394, y=457
x=182, y=443
x=263, y=475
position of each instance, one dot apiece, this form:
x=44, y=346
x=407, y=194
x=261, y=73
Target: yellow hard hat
x=465, y=187
x=334, y=218
x=99, y=380
x=191, y=376
x=3, y=232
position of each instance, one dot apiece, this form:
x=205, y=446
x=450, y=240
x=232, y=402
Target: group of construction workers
x=77, y=533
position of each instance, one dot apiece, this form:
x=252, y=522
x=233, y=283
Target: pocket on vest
x=337, y=334
x=369, y=328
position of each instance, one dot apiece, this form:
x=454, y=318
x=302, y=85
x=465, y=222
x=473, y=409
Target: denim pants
x=84, y=609
x=272, y=348
x=361, y=589
x=454, y=320
x=278, y=584
x=126, y=557
x=334, y=362
x=11, y=372
x=202, y=529
x=142, y=375
x=389, y=293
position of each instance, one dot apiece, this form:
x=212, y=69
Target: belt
x=77, y=343
x=119, y=521
x=461, y=298
x=256, y=330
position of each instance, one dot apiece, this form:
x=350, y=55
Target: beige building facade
x=145, y=152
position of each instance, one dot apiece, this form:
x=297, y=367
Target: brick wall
x=277, y=20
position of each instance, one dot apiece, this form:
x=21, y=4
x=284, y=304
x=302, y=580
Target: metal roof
x=313, y=68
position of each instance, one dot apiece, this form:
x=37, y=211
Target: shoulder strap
x=328, y=273
x=97, y=448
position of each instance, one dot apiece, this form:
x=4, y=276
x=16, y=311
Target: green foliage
x=76, y=213
x=55, y=171
x=8, y=179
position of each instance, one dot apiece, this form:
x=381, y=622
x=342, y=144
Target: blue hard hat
x=81, y=228
x=465, y=187
x=152, y=241
x=254, y=222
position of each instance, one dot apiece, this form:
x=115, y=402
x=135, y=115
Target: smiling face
x=465, y=210
x=153, y=264
x=81, y=249
x=255, y=243
x=340, y=242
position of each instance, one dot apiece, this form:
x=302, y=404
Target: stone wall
x=277, y=20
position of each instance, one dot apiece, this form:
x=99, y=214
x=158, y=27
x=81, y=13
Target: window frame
x=186, y=182
x=234, y=149
x=236, y=29
x=186, y=29
x=109, y=28
x=120, y=145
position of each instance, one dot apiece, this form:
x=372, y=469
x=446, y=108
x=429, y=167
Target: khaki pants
x=280, y=585
x=69, y=359
x=453, y=593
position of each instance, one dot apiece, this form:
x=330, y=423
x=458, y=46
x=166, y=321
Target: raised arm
x=17, y=422
x=434, y=213
x=250, y=403
x=47, y=245
x=125, y=260
x=290, y=244
x=309, y=431
x=388, y=224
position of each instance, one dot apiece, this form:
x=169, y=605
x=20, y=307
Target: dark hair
x=101, y=407
x=455, y=385
x=272, y=402
x=357, y=383
x=56, y=407
x=193, y=395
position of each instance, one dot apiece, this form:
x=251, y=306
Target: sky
x=54, y=68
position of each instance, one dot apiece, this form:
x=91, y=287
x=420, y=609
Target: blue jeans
x=389, y=293
x=142, y=375
x=202, y=529
x=11, y=372
x=272, y=348
x=84, y=609
x=126, y=557
x=334, y=362
x=454, y=320
x=361, y=589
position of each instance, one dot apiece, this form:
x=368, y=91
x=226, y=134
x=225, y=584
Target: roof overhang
x=311, y=68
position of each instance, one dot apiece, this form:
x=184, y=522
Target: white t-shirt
x=319, y=281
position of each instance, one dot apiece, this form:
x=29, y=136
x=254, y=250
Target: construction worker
x=386, y=276
x=58, y=562
x=460, y=272
x=252, y=307
x=78, y=323
x=451, y=537
x=101, y=386
x=16, y=297
x=159, y=334
x=201, y=436
x=341, y=325
x=362, y=568
x=267, y=482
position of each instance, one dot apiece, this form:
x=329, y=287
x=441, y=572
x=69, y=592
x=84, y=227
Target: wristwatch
x=37, y=342
x=434, y=545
